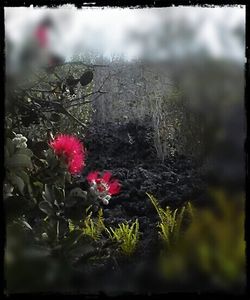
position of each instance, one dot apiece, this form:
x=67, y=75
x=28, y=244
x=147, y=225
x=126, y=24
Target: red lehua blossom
x=71, y=149
x=104, y=183
x=92, y=176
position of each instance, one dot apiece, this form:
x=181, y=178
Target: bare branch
x=79, y=63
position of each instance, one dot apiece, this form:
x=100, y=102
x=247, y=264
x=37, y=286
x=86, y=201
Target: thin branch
x=93, y=93
x=79, y=63
x=89, y=101
x=42, y=115
x=64, y=111
x=43, y=91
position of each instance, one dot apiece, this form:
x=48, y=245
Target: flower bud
x=20, y=141
x=105, y=201
x=22, y=145
x=92, y=190
x=107, y=197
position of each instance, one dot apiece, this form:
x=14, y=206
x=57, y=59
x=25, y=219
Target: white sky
x=105, y=29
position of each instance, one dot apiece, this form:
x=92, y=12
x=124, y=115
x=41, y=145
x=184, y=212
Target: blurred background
x=152, y=33
x=198, y=51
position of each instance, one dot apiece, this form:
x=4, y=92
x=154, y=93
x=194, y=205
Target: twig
x=89, y=101
x=79, y=63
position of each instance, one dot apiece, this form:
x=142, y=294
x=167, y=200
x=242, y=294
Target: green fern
x=72, y=226
x=94, y=228
x=127, y=236
x=170, y=221
x=220, y=246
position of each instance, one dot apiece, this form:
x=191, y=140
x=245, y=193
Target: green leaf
x=25, y=151
x=17, y=182
x=59, y=194
x=47, y=194
x=78, y=193
x=74, y=196
x=24, y=176
x=62, y=228
x=71, y=225
x=38, y=184
x=27, y=225
x=10, y=146
x=46, y=207
x=68, y=178
x=18, y=161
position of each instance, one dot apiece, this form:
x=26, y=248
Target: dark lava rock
x=109, y=148
x=172, y=182
x=139, y=171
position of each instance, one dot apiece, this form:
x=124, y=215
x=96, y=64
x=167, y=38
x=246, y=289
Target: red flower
x=41, y=34
x=71, y=149
x=104, y=184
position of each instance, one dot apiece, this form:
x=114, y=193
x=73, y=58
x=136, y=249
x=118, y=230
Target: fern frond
x=179, y=222
x=91, y=228
x=170, y=221
x=71, y=225
x=127, y=236
x=190, y=210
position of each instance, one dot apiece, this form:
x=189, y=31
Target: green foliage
x=94, y=228
x=17, y=164
x=213, y=244
x=39, y=201
x=91, y=227
x=126, y=235
x=42, y=199
x=170, y=221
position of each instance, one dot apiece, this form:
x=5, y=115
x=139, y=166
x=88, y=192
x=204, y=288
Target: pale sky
x=105, y=30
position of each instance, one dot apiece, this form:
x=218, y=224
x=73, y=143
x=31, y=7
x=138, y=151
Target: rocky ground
x=128, y=153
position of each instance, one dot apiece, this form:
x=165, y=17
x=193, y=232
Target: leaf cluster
x=171, y=221
x=126, y=235
x=91, y=227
